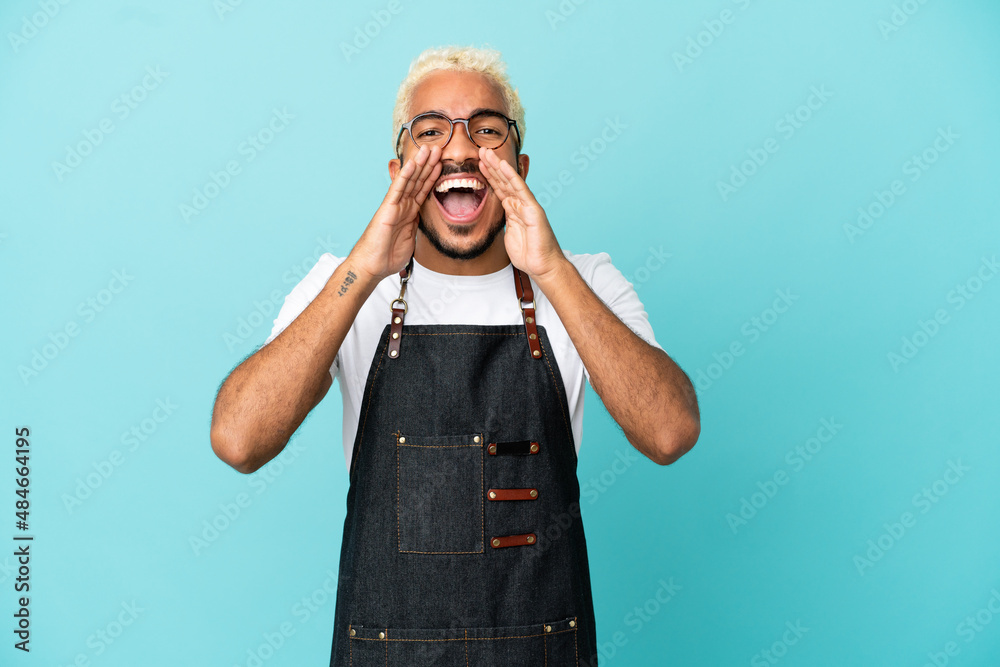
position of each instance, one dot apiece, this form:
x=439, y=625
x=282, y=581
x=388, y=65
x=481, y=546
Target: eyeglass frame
x=464, y=121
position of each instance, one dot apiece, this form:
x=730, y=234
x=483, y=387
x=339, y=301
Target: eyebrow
x=474, y=111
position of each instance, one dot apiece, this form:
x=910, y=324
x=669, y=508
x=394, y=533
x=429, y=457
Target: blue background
x=747, y=557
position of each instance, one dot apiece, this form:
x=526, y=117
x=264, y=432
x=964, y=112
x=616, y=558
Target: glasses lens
x=488, y=131
x=431, y=130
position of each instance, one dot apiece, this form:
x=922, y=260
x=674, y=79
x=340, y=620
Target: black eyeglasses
x=486, y=129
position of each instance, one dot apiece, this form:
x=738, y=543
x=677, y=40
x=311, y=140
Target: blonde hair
x=485, y=61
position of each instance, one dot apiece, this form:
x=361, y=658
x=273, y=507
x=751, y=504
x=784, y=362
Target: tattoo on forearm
x=351, y=277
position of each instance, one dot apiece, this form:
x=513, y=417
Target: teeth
x=446, y=185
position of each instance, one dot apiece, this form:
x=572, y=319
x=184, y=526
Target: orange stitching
x=460, y=639
x=406, y=444
x=398, y=545
x=482, y=483
x=482, y=546
x=545, y=651
x=410, y=551
x=387, y=647
x=463, y=333
x=575, y=649
x=466, y=648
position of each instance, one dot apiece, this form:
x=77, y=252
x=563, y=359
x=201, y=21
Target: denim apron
x=463, y=543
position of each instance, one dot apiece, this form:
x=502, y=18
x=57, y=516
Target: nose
x=460, y=147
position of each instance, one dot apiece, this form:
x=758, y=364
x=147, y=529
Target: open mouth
x=460, y=197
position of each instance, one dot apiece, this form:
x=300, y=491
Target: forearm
x=644, y=391
x=267, y=397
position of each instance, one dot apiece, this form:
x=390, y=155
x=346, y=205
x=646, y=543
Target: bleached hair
x=486, y=61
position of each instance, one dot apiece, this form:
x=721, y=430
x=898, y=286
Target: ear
x=522, y=166
x=394, y=166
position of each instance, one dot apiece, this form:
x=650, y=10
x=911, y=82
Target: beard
x=462, y=230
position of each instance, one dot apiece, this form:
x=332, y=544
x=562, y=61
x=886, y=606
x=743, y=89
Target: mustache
x=464, y=168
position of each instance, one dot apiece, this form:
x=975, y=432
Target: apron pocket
x=553, y=643
x=439, y=493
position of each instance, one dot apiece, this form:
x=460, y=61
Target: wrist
x=556, y=274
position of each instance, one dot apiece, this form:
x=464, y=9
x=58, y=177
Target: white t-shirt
x=438, y=298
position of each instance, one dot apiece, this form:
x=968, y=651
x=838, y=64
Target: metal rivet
x=536, y=353
x=534, y=448
x=353, y=632
x=529, y=320
x=493, y=449
x=395, y=334
x=531, y=539
x=493, y=494
x=476, y=439
x=402, y=438
x=396, y=320
x=572, y=624
x=533, y=493
x=381, y=635
x=496, y=542
x=548, y=628
x=532, y=336
x=392, y=353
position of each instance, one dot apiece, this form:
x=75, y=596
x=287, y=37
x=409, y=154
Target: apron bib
x=463, y=543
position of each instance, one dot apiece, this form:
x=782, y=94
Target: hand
x=531, y=244
x=387, y=243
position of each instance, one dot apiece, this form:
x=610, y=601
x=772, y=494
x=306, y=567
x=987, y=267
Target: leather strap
x=517, y=447
x=512, y=494
x=525, y=299
x=396, y=328
x=524, y=293
x=512, y=540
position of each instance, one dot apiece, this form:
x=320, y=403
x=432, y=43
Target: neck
x=494, y=259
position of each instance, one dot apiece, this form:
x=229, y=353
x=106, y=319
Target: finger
x=514, y=181
x=399, y=183
x=428, y=183
x=433, y=161
x=492, y=176
x=419, y=161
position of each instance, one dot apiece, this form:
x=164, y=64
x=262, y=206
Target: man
x=462, y=380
